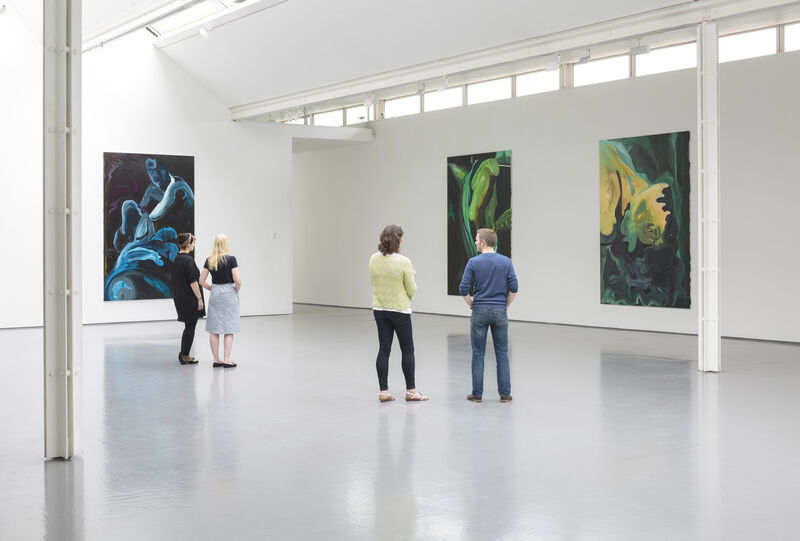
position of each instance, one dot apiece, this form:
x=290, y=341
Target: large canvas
x=478, y=196
x=148, y=200
x=644, y=220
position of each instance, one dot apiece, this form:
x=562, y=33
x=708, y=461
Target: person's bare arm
x=468, y=300
x=236, y=280
x=510, y=298
x=196, y=291
x=203, y=278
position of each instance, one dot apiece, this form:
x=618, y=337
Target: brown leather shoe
x=506, y=398
x=186, y=359
x=473, y=398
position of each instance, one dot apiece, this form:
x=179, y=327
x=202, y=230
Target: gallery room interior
x=654, y=367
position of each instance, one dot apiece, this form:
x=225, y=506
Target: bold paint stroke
x=148, y=200
x=644, y=221
x=478, y=195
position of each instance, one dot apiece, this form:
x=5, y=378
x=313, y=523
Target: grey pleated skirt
x=223, y=310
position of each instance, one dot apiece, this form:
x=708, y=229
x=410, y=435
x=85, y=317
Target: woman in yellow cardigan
x=393, y=287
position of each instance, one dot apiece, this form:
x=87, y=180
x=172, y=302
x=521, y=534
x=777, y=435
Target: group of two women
x=223, y=301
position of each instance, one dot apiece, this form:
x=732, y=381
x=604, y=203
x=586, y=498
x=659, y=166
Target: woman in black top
x=187, y=294
x=223, y=302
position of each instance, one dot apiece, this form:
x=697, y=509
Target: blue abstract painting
x=148, y=200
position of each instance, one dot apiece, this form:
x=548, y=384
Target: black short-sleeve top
x=184, y=272
x=224, y=272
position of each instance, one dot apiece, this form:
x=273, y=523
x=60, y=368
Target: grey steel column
x=62, y=228
x=709, y=346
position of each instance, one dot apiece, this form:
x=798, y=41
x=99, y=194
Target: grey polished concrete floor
x=612, y=435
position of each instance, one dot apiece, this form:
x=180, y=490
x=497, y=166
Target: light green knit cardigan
x=393, y=282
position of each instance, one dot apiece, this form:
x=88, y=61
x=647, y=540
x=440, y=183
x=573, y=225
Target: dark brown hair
x=390, y=239
x=185, y=239
x=488, y=236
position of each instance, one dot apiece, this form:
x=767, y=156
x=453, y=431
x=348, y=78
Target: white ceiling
x=102, y=15
x=29, y=13
x=299, y=45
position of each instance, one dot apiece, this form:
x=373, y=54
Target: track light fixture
x=640, y=49
x=370, y=101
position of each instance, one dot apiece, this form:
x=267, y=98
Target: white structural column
x=709, y=347
x=62, y=228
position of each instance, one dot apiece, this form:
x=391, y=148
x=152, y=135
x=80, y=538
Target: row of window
x=733, y=47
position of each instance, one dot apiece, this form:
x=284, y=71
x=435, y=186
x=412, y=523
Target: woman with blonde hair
x=223, y=302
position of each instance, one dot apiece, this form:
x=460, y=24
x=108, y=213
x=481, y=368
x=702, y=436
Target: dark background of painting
x=456, y=257
x=125, y=177
x=665, y=268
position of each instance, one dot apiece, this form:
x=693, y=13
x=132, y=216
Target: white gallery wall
x=303, y=226
x=760, y=177
x=136, y=100
x=344, y=196
x=21, y=164
x=401, y=178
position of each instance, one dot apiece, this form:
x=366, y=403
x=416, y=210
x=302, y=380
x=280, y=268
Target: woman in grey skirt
x=223, y=303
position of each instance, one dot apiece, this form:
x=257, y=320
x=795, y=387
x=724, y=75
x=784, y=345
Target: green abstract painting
x=478, y=196
x=644, y=220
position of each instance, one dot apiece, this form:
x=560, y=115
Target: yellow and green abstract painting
x=478, y=196
x=644, y=220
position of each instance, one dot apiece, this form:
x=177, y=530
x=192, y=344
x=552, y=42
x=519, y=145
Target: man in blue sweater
x=494, y=287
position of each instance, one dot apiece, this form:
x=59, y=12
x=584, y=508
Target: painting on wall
x=644, y=220
x=148, y=199
x=478, y=196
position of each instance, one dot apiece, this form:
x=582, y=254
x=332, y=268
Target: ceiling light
x=150, y=18
x=205, y=31
x=443, y=85
x=554, y=63
x=370, y=101
x=421, y=89
x=640, y=49
x=238, y=1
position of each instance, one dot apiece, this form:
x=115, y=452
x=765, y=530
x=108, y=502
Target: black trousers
x=188, y=337
x=389, y=324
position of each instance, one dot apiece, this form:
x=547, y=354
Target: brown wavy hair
x=184, y=239
x=390, y=239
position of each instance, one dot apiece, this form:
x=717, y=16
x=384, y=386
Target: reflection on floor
x=611, y=435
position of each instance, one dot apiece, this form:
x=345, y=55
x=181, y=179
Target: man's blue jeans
x=496, y=318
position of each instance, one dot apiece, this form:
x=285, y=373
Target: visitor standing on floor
x=393, y=287
x=186, y=294
x=494, y=286
x=223, y=302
